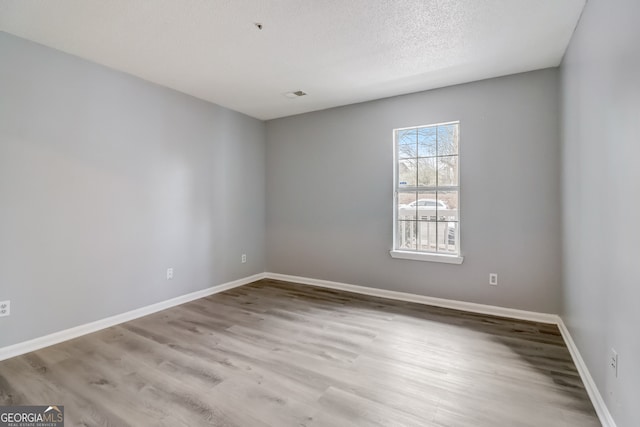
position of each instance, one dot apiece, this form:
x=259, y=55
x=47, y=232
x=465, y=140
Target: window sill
x=422, y=256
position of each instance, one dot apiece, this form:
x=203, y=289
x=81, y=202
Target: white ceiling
x=338, y=51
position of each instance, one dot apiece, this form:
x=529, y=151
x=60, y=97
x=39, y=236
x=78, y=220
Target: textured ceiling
x=338, y=51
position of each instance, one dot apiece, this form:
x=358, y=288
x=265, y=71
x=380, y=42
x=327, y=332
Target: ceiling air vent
x=295, y=94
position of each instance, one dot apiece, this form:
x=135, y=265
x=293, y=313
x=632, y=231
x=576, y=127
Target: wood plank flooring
x=278, y=354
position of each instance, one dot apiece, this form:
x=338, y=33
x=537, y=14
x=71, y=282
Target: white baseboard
x=594, y=394
x=421, y=299
x=67, y=334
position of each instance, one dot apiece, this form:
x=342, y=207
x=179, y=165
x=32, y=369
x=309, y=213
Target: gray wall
x=329, y=186
x=601, y=153
x=106, y=181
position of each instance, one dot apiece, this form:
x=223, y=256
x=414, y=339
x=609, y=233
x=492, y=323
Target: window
x=427, y=193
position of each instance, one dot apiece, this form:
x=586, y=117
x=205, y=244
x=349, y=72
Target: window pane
x=407, y=205
x=448, y=205
x=406, y=235
x=407, y=141
x=447, y=170
x=427, y=172
x=427, y=141
x=447, y=140
x=427, y=232
x=407, y=172
x=427, y=205
x=448, y=237
x=406, y=151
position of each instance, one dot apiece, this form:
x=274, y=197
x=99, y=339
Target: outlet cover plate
x=5, y=308
x=613, y=362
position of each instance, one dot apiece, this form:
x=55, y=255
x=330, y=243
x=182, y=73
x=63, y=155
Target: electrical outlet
x=613, y=362
x=5, y=308
x=244, y=258
x=169, y=273
x=493, y=279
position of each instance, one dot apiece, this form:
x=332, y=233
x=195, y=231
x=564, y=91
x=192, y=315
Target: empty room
x=316, y=213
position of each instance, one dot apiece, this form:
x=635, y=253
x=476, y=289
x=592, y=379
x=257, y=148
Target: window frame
x=419, y=255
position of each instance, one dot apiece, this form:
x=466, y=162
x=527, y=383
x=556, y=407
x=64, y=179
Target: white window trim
x=416, y=255
x=426, y=256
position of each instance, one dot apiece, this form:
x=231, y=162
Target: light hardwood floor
x=279, y=354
